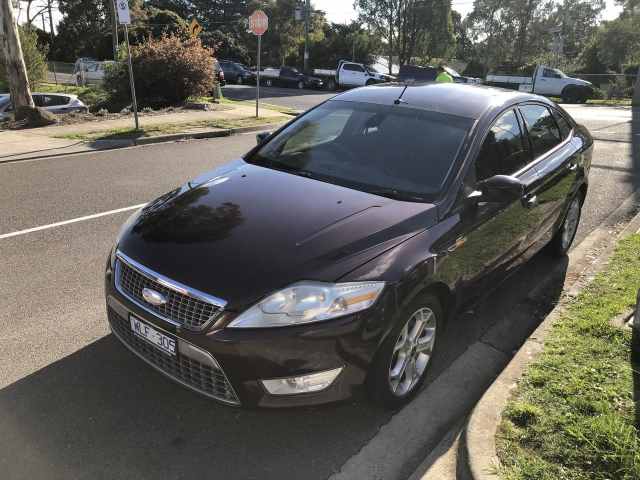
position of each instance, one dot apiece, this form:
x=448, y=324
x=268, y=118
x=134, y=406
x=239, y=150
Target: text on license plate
x=165, y=343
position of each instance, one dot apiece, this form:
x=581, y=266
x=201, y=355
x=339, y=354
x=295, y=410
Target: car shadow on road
x=102, y=413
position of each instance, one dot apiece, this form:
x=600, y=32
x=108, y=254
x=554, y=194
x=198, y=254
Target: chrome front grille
x=206, y=379
x=185, y=306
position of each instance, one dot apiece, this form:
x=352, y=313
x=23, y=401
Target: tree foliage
x=410, y=28
x=344, y=42
x=520, y=30
x=34, y=57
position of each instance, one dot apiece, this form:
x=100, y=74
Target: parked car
x=351, y=74
x=237, y=73
x=544, y=80
x=415, y=73
x=288, y=77
x=53, y=102
x=335, y=252
x=219, y=73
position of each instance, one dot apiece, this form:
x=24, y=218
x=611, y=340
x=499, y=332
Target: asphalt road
x=75, y=404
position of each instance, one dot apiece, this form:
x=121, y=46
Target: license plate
x=143, y=330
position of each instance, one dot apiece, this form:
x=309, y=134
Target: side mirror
x=501, y=189
x=261, y=137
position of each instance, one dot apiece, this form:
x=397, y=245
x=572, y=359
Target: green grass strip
x=573, y=415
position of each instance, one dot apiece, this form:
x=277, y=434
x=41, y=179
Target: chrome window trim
x=168, y=283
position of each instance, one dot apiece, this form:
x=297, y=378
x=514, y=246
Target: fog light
x=304, y=384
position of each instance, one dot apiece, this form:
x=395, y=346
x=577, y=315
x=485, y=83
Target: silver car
x=53, y=102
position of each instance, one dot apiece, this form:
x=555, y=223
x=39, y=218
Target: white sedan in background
x=53, y=102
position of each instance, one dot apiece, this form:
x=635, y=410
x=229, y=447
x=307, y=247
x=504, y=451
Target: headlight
x=308, y=302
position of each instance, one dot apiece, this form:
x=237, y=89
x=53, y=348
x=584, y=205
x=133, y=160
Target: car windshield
x=394, y=151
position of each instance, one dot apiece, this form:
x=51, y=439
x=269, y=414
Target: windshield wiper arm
x=395, y=194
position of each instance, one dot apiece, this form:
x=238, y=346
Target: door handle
x=530, y=201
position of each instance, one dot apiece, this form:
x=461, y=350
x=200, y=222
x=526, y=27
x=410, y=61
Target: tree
x=410, y=28
x=14, y=66
x=341, y=42
x=619, y=42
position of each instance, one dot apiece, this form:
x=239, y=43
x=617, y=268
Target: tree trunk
x=16, y=70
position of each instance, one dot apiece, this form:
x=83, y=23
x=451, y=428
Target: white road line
x=67, y=222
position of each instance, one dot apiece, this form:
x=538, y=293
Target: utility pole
x=16, y=70
x=307, y=14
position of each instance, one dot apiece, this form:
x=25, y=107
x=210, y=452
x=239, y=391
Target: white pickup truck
x=350, y=74
x=545, y=81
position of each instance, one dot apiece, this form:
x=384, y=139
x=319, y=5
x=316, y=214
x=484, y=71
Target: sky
x=341, y=11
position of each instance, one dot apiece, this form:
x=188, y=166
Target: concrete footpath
x=46, y=141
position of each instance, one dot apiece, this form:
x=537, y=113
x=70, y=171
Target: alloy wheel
x=412, y=351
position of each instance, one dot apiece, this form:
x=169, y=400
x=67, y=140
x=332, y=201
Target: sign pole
x=131, y=79
x=258, y=75
x=258, y=24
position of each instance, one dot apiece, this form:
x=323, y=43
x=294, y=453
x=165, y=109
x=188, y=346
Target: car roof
x=463, y=100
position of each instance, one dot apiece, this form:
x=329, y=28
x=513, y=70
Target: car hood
x=244, y=231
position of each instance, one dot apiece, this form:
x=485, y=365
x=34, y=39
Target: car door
x=550, y=83
x=489, y=236
x=353, y=75
x=556, y=159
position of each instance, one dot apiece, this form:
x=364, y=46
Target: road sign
x=124, y=17
x=258, y=22
x=195, y=28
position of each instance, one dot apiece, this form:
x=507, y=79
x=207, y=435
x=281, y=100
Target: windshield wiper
x=395, y=194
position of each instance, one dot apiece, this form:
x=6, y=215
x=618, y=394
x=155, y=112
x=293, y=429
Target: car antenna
x=399, y=100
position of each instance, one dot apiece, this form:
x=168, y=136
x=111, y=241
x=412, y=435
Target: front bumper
x=244, y=357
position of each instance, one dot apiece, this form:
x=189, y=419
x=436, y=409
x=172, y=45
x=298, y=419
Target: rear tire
x=403, y=360
x=563, y=239
x=239, y=80
x=331, y=84
x=300, y=85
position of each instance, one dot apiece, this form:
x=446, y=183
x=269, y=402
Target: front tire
x=563, y=239
x=300, y=85
x=403, y=360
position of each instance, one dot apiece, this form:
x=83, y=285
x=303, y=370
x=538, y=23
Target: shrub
x=167, y=71
x=34, y=58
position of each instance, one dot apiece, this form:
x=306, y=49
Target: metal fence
x=61, y=73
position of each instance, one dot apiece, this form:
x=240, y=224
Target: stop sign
x=258, y=22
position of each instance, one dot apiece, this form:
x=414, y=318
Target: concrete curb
x=479, y=435
x=102, y=145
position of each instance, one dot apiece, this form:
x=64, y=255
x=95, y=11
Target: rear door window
x=504, y=149
x=54, y=100
x=543, y=131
